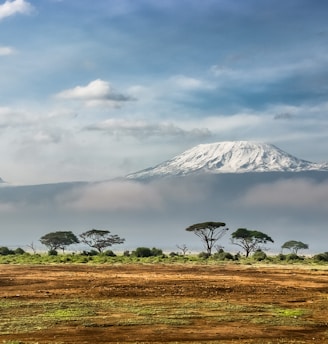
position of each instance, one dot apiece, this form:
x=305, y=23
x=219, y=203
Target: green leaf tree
x=100, y=239
x=209, y=233
x=249, y=240
x=59, y=240
x=295, y=246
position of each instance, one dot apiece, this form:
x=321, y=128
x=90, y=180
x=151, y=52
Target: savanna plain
x=163, y=303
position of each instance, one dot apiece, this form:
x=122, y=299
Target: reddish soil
x=255, y=304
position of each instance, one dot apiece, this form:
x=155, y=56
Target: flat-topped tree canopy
x=295, y=246
x=59, y=239
x=209, y=232
x=249, y=240
x=100, y=239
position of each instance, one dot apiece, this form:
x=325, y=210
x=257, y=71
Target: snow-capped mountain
x=229, y=157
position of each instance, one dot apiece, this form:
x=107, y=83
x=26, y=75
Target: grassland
x=146, y=302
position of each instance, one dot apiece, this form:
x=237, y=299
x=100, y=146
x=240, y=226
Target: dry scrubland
x=163, y=303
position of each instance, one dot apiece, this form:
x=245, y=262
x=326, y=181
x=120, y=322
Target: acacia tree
x=183, y=249
x=59, y=239
x=32, y=247
x=249, y=240
x=100, y=239
x=295, y=246
x=209, y=233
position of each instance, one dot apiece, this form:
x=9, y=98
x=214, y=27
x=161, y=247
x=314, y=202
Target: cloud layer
x=145, y=130
x=289, y=194
x=157, y=212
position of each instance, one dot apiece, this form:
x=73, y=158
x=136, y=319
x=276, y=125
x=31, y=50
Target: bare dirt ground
x=160, y=303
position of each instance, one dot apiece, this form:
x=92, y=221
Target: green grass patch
x=21, y=316
x=277, y=316
x=79, y=258
x=290, y=313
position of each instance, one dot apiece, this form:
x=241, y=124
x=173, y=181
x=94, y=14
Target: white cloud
x=43, y=137
x=261, y=74
x=228, y=124
x=4, y=51
x=96, y=93
x=132, y=195
x=112, y=196
x=144, y=129
x=288, y=194
x=10, y=117
x=189, y=83
x=10, y=8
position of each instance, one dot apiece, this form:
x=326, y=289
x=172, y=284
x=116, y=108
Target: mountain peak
x=229, y=157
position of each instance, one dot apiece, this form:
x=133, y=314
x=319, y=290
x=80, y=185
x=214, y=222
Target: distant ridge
x=229, y=157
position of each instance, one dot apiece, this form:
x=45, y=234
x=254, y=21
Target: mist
x=155, y=213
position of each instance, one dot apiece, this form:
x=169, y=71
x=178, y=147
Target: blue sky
x=95, y=90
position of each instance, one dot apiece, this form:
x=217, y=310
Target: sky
x=96, y=90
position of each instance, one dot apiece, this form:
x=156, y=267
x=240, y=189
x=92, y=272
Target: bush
x=52, y=253
x=147, y=252
x=281, y=256
x=203, y=255
x=142, y=252
x=4, y=251
x=156, y=252
x=293, y=257
x=221, y=255
x=90, y=253
x=19, y=251
x=321, y=257
x=109, y=253
x=259, y=255
x=65, y=259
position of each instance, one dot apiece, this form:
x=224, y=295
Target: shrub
x=281, y=256
x=321, y=257
x=19, y=251
x=293, y=257
x=83, y=260
x=147, y=252
x=126, y=253
x=221, y=255
x=4, y=251
x=259, y=255
x=156, y=252
x=90, y=253
x=66, y=259
x=109, y=253
x=142, y=252
x=52, y=253
x=203, y=255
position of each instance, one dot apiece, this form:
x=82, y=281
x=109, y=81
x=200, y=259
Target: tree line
x=95, y=238
x=250, y=241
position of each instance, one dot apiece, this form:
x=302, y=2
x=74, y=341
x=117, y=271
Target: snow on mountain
x=229, y=157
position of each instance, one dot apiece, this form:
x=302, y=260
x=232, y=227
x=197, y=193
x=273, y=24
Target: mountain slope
x=229, y=157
